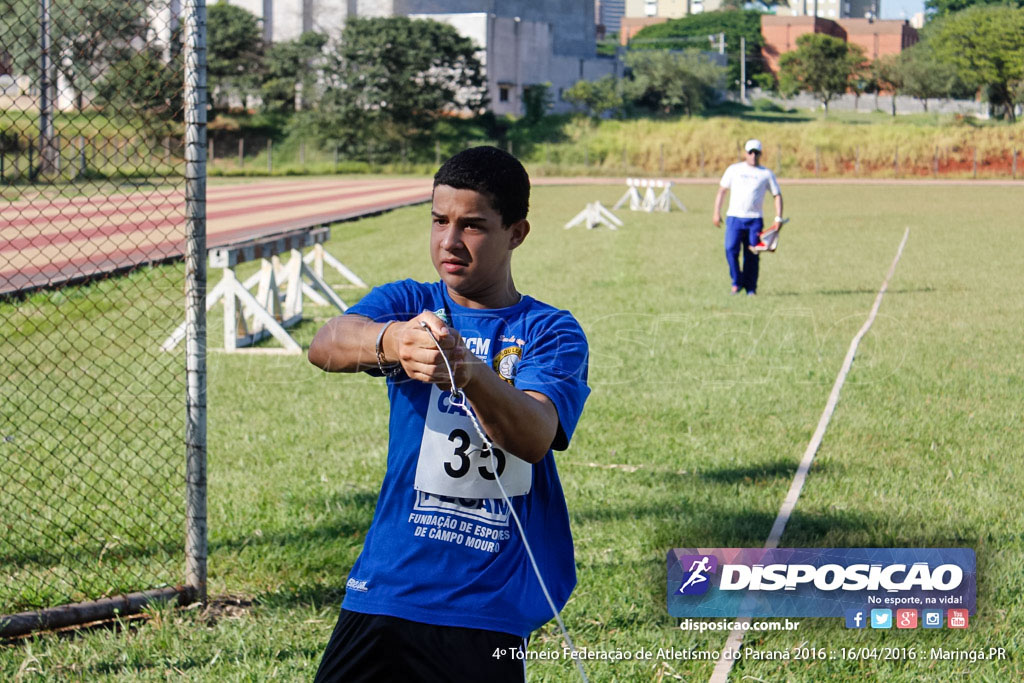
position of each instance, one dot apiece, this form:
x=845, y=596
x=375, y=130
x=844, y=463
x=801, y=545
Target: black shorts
x=378, y=649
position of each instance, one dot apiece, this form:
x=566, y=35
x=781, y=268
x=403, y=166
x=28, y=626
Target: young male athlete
x=747, y=181
x=444, y=581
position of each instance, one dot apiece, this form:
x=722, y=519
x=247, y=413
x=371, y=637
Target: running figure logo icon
x=696, y=581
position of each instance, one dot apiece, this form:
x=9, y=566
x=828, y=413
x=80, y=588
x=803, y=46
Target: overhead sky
x=891, y=9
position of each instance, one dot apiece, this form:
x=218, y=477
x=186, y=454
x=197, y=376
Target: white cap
x=752, y=144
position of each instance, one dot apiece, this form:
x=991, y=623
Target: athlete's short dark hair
x=491, y=172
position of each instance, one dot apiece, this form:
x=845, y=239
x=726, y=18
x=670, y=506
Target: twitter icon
x=881, y=618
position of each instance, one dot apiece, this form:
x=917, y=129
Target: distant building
x=830, y=9
x=643, y=13
x=523, y=43
x=877, y=37
x=609, y=13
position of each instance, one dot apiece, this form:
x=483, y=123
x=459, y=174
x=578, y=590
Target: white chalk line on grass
x=723, y=665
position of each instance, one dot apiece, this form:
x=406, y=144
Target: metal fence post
x=195, y=297
x=270, y=156
x=82, y=163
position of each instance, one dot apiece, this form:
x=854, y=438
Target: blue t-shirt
x=454, y=561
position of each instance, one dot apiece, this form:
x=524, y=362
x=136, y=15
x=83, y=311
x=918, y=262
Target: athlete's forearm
x=521, y=422
x=778, y=205
x=345, y=344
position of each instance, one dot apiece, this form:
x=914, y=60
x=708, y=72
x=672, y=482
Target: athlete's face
x=471, y=249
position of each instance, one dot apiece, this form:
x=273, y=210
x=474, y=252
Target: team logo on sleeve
x=506, y=362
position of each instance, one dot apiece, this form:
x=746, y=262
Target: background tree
x=86, y=36
x=821, y=65
x=536, y=101
x=694, y=32
x=234, y=52
x=888, y=73
x=392, y=78
x=862, y=81
x=292, y=67
x=672, y=82
x=597, y=98
x=986, y=46
x=144, y=88
x=925, y=76
x=941, y=8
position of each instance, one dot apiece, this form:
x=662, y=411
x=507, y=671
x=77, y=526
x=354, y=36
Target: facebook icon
x=856, y=618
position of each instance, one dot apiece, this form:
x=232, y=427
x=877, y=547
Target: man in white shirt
x=748, y=182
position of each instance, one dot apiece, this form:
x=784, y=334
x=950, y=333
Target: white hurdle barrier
x=249, y=318
x=650, y=201
x=595, y=215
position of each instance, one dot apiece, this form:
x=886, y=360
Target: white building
x=831, y=9
x=523, y=42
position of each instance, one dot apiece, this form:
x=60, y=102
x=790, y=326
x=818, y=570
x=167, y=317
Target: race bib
x=453, y=463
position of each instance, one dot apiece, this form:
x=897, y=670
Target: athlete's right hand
x=717, y=220
x=410, y=343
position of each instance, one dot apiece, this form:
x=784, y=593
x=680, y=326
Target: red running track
x=47, y=242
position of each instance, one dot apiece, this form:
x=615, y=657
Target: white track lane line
x=724, y=666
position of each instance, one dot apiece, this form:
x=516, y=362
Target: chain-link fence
x=92, y=231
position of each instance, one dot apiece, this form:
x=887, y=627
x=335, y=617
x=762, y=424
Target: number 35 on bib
x=453, y=462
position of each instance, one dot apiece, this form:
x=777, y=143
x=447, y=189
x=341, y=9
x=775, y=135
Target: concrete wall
x=871, y=103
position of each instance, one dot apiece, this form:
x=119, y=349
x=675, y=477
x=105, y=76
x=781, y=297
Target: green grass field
x=702, y=406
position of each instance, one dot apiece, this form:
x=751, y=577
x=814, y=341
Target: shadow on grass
x=709, y=524
x=351, y=516
x=774, y=118
x=753, y=473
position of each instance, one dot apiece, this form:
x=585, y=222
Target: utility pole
x=721, y=43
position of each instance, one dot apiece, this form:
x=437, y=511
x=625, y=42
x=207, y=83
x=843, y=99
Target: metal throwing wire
x=459, y=399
